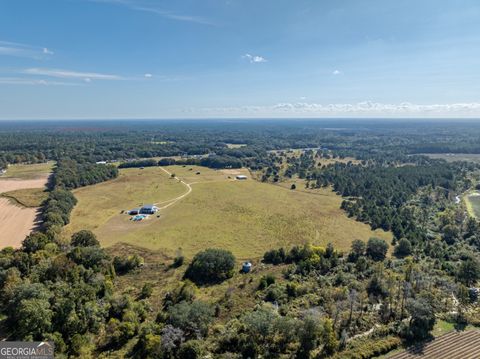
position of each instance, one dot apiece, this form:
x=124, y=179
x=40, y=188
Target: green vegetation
x=31, y=197
x=323, y=283
x=211, y=266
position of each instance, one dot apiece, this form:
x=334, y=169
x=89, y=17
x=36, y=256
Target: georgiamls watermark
x=26, y=350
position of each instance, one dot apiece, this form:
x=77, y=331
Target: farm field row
x=246, y=217
x=454, y=345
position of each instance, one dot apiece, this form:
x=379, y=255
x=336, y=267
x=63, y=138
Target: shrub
x=403, y=248
x=84, y=238
x=275, y=256
x=125, y=265
x=368, y=348
x=35, y=242
x=178, y=261
x=211, y=266
x=190, y=350
x=377, y=249
x=192, y=318
x=146, y=291
x=266, y=281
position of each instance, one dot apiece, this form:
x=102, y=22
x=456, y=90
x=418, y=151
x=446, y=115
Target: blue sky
x=239, y=58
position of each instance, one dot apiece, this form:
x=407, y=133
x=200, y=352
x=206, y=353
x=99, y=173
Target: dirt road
x=176, y=199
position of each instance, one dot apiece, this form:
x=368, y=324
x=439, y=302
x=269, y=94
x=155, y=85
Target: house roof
x=149, y=206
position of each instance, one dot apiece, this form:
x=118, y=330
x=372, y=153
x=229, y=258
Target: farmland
x=451, y=157
x=260, y=216
x=454, y=345
x=21, y=193
x=28, y=172
x=27, y=197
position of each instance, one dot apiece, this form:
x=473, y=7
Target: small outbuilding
x=241, y=177
x=246, y=267
x=134, y=211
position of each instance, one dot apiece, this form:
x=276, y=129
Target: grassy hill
x=246, y=217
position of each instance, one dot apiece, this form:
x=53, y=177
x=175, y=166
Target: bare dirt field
x=16, y=221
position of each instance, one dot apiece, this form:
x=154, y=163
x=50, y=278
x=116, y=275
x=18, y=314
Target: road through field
x=176, y=199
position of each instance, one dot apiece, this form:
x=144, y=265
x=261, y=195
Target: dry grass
x=30, y=197
x=102, y=202
x=472, y=202
x=246, y=217
x=28, y=172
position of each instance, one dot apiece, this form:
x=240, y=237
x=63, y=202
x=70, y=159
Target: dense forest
x=309, y=301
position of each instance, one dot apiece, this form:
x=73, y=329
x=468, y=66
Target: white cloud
x=360, y=109
x=33, y=82
x=254, y=58
x=148, y=76
x=337, y=72
x=8, y=48
x=150, y=7
x=70, y=74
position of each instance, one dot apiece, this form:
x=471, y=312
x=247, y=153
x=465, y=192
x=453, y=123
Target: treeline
x=138, y=164
x=70, y=174
x=375, y=194
x=67, y=175
x=216, y=162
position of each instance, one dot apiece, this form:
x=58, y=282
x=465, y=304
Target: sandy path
x=17, y=222
x=176, y=199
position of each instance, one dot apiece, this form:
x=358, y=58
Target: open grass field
x=134, y=187
x=28, y=197
x=472, y=201
x=454, y=345
x=26, y=172
x=246, y=217
x=235, y=145
x=452, y=157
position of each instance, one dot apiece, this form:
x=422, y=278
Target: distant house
x=241, y=177
x=101, y=162
x=149, y=209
